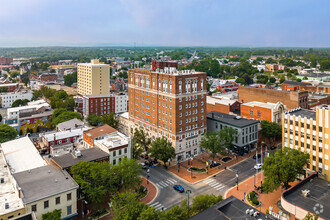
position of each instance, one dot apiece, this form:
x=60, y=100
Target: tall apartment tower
x=308, y=131
x=169, y=103
x=93, y=78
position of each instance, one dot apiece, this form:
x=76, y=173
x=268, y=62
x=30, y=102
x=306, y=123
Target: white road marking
x=208, y=181
x=154, y=204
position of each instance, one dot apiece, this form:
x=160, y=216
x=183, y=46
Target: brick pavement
x=200, y=162
x=267, y=200
x=152, y=191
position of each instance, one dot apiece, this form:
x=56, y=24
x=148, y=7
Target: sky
x=239, y=23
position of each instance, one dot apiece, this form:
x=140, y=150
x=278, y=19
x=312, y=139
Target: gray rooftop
x=42, y=182
x=319, y=194
x=92, y=154
x=73, y=123
x=303, y=113
x=230, y=208
x=230, y=119
x=289, y=82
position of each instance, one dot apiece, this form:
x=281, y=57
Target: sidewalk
x=200, y=162
x=267, y=200
x=152, y=191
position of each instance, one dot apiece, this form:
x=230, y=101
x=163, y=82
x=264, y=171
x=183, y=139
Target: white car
x=258, y=166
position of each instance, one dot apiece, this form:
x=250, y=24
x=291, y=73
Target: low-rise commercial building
x=46, y=188
x=246, y=130
x=12, y=87
x=98, y=104
x=69, y=125
x=263, y=111
x=121, y=101
x=308, y=131
x=222, y=105
x=124, y=124
x=97, y=133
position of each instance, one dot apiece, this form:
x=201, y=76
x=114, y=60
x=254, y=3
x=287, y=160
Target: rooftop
x=319, y=194
x=230, y=208
x=8, y=194
x=113, y=140
x=268, y=105
x=100, y=131
x=8, y=84
x=303, y=113
x=91, y=154
x=99, y=96
x=27, y=107
x=210, y=100
x=63, y=134
x=21, y=155
x=289, y=82
x=43, y=182
x=230, y=119
x=124, y=115
x=73, y=123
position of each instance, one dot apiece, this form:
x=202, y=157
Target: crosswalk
x=166, y=183
x=214, y=184
x=158, y=206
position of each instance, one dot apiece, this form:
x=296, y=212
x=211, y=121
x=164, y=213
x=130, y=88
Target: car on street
x=258, y=166
x=178, y=188
x=144, y=166
x=255, y=157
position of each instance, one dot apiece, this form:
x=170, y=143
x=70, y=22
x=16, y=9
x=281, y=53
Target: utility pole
x=188, y=191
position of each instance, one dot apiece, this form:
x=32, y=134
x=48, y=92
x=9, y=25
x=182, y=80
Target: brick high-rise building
x=161, y=64
x=93, y=78
x=169, y=103
x=6, y=60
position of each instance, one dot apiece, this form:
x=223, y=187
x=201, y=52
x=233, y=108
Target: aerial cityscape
x=164, y=110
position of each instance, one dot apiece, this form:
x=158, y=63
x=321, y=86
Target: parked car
x=258, y=166
x=255, y=157
x=178, y=188
x=144, y=166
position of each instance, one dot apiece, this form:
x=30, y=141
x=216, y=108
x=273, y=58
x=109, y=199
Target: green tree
x=227, y=136
x=240, y=80
x=54, y=215
x=283, y=167
x=3, y=89
x=309, y=216
x=66, y=116
x=202, y=202
x=162, y=149
x=25, y=80
x=272, y=80
x=149, y=214
x=271, y=130
x=141, y=138
x=52, y=71
x=110, y=120
x=95, y=179
x=94, y=120
x=0, y=118
x=7, y=133
x=128, y=172
x=282, y=79
x=71, y=78
x=44, y=66
x=19, y=102
x=210, y=141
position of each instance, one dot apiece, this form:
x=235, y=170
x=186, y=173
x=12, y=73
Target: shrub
x=197, y=170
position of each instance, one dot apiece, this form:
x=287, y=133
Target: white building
x=121, y=101
x=117, y=145
x=31, y=107
x=7, y=99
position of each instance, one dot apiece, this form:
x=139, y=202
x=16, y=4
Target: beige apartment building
x=169, y=103
x=93, y=78
x=308, y=131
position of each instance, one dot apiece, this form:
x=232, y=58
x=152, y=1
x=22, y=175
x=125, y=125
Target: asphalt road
x=167, y=197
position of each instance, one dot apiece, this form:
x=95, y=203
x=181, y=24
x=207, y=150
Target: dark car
x=178, y=188
x=255, y=157
x=273, y=147
x=144, y=166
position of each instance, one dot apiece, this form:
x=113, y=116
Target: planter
x=253, y=199
x=197, y=170
x=214, y=165
x=226, y=159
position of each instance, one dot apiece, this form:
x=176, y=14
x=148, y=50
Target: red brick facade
x=291, y=99
x=6, y=60
x=256, y=112
x=223, y=108
x=99, y=105
x=162, y=64
x=11, y=87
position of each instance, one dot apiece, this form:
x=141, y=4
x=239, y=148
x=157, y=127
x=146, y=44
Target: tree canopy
x=271, y=130
x=108, y=119
x=162, y=149
x=71, y=78
x=283, y=167
x=20, y=102
x=54, y=215
x=7, y=133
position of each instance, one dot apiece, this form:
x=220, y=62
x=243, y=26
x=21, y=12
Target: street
x=217, y=184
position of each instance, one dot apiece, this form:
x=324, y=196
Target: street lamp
x=188, y=191
x=237, y=179
x=148, y=176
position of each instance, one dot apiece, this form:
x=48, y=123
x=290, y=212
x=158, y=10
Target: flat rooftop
x=289, y=82
x=303, y=113
x=8, y=194
x=21, y=155
x=70, y=124
x=319, y=194
x=230, y=208
x=213, y=101
x=113, y=140
x=230, y=119
x=43, y=182
x=268, y=105
x=91, y=154
x=63, y=134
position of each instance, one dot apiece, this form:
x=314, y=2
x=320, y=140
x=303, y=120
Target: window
x=125, y=150
x=69, y=210
x=119, y=152
x=114, y=153
x=114, y=162
x=68, y=197
x=46, y=204
x=251, y=111
x=34, y=208
x=259, y=113
x=57, y=200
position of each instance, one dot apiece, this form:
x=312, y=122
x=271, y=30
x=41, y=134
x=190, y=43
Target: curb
x=157, y=193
